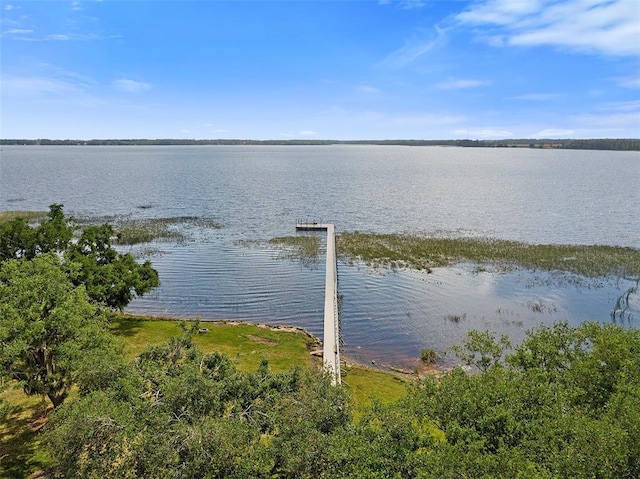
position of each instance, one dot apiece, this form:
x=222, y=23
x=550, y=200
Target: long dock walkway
x=331, y=341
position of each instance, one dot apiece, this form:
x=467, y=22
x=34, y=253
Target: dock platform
x=331, y=340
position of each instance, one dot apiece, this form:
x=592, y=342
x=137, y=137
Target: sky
x=344, y=70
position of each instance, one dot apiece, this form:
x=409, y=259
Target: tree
x=18, y=239
x=47, y=326
x=110, y=278
x=482, y=349
x=179, y=413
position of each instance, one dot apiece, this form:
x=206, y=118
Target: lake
x=258, y=192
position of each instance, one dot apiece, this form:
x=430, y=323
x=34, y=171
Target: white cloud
x=609, y=27
x=613, y=118
x=484, y=133
x=368, y=89
x=500, y=12
x=414, y=48
x=629, y=82
x=537, y=96
x=131, y=86
x=411, y=4
x=554, y=133
x=631, y=105
x=19, y=31
x=8, y=7
x=36, y=86
x=459, y=84
x=425, y=119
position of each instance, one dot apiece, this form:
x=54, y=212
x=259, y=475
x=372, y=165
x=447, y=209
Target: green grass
x=424, y=253
x=366, y=384
x=245, y=344
x=20, y=451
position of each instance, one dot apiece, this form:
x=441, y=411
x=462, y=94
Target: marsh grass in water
x=29, y=216
x=305, y=248
x=138, y=231
x=424, y=253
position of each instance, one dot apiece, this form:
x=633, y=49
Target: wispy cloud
x=537, y=96
x=484, y=133
x=367, y=89
x=45, y=80
x=131, y=86
x=631, y=105
x=460, y=84
x=629, y=82
x=19, y=31
x=37, y=86
x=415, y=48
x=608, y=27
x=617, y=118
x=554, y=133
x=425, y=119
x=404, y=4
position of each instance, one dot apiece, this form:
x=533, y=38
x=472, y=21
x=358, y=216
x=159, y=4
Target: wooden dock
x=331, y=340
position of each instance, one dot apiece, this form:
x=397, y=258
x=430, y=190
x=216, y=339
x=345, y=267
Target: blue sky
x=408, y=69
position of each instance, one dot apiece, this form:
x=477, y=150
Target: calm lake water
x=258, y=192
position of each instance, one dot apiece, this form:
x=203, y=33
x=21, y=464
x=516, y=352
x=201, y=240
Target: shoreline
x=419, y=371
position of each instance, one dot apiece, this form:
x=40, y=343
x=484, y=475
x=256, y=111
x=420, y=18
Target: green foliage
x=19, y=239
x=47, y=326
x=563, y=404
x=177, y=412
x=482, y=349
x=109, y=277
x=560, y=407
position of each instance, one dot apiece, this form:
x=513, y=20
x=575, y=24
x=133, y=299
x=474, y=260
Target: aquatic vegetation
x=136, y=231
x=424, y=253
x=304, y=247
x=6, y=216
x=428, y=356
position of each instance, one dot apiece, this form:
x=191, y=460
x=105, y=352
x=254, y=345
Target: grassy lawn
x=366, y=384
x=20, y=452
x=246, y=344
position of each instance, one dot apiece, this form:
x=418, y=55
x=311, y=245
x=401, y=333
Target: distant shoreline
x=610, y=144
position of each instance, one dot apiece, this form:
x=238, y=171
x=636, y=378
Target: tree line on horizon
x=617, y=144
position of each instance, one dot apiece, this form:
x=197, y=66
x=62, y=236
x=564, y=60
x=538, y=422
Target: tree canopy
x=111, y=278
x=563, y=404
x=52, y=291
x=48, y=327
